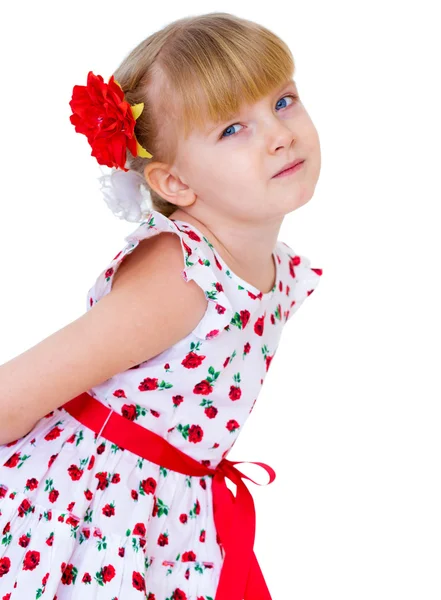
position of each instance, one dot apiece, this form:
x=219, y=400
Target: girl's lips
x=291, y=170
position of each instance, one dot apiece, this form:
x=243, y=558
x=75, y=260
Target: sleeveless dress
x=82, y=518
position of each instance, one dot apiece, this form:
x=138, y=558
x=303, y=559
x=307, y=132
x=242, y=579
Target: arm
x=149, y=308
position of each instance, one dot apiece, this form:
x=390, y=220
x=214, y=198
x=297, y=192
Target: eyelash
x=293, y=96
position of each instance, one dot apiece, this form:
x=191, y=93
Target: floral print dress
x=82, y=518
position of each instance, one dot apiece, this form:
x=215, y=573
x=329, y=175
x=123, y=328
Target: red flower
x=138, y=581
x=31, y=560
x=107, y=120
x=195, y=434
x=5, y=565
x=108, y=573
x=139, y=529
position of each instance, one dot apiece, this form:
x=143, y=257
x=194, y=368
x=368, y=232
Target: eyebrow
x=282, y=87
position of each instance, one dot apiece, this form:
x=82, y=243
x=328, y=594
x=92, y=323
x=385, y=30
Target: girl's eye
x=293, y=96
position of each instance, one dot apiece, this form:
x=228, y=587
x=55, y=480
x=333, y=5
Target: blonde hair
x=194, y=70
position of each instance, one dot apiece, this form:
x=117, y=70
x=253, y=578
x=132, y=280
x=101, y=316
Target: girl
x=113, y=467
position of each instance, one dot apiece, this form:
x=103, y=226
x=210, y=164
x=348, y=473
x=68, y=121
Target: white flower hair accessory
x=126, y=194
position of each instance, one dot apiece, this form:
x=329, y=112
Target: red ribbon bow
x=235, y=519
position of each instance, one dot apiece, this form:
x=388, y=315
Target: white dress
x=82, y=518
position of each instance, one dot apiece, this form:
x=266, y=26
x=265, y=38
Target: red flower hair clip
x=101, y=113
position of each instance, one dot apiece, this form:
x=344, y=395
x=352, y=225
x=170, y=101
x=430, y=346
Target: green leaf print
x=22, y=459
x=162, y=508
x=163, y=471
x=88, y=516
x=236, y=377
x=101, y=543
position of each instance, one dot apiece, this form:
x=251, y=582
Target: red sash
x=235, y=519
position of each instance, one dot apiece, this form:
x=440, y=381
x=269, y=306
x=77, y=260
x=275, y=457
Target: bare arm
x=149, y=308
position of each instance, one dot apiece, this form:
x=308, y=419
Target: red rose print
x=3, y=491
x=139, y=529
x=24, y=507
x=189, y=556
x=121, y=552
x=202, y=536
x=88, y=494
x=108, y=573
x=179, y=595
x=109, y=510
x=244, y=317
x=148, y=384
x=50, y=539
x=102, y=480
x=197, y=507
x=119, y=394
x=183, y=518
x=128, y=411
x=247, y=348
x=154, y=413
x=69, y=573
x=215, y=332
x=163, y=539
x=177, y=400
x=24, y=541
x=232, y=425
x=268, y=360
x=203, y=483
x=71, y=439
x=204, y=387
x=235, y=392
x=31, y=484
x=115, y=478
x=91, y=462
x=31, y=560
x=259, y=326
x=192, y=360
x=70, y=506
x=12, y=460
x=138, y=581
x=211, y=412
x=134, y=495
x=74, y=472
x=5, y=565
x=52, y=458
x=101, y=448
x=195, y=434
x=53, y=433
x=72, y=521
x=149, y=485
x=86, y=578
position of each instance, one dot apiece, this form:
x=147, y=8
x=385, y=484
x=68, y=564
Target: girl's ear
x=167, y=185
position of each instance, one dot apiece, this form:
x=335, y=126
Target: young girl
x=113, y=459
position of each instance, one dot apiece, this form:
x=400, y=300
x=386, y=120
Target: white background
x=349, y=416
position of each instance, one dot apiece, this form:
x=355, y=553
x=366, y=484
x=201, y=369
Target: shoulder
x=171, y=263
x=299, y=278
